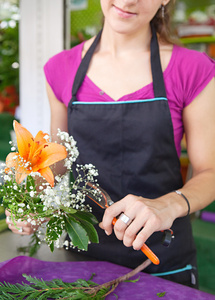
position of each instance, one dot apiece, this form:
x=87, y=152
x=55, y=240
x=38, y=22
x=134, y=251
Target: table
x=146, y=288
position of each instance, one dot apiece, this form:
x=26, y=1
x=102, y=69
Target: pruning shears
x=104, y=201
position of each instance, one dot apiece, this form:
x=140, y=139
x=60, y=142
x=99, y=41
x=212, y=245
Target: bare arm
x=199, y=123
x=58, y=120
x=148, y=215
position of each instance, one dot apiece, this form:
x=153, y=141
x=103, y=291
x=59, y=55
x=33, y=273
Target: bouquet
x=30, y=194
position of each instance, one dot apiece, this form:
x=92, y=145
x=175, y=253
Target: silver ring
x=124, y=218
x=20, y=229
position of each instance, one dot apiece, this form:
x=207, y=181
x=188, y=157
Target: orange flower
x=35, y=154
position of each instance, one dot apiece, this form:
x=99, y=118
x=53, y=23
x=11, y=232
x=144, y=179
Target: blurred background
x=31, y=31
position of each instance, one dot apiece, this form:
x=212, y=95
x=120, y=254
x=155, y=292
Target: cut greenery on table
x=57, y=289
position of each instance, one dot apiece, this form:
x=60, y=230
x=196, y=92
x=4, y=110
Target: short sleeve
x=54, y=70
x=196, y=70
x=60, y=71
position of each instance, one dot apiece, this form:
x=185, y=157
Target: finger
x=8, y=220
x=107, y=221
x=131, y=222
x=132, y=230
x=121, y=225
x=7, y=213
x=112, y=212
x=143, y=235
x=17, y=223
x=21, y=230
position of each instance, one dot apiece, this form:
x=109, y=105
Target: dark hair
x=162, y=24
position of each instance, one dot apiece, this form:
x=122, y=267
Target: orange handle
x=114, y=220
x=146, y=250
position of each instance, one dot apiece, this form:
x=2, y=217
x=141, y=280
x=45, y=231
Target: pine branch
x=57, y=289
x=125, y=277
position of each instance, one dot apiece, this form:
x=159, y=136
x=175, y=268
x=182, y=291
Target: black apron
x=131, y=143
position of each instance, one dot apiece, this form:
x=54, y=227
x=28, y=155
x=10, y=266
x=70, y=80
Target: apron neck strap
x=157, y=74
x=82, y=70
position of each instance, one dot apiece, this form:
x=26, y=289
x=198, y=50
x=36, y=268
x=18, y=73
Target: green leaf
x=54, y=230
x=69, y=210
x=51, y=246
x=134, y=280
x=71, y=177
x=87, y=216
x=77, y=233
x=91, y=231
x=161, y=294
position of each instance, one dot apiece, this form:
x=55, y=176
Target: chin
x=121, y=28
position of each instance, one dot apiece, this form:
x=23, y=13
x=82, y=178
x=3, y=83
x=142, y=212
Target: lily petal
x=24, y=139
x=11, y=159
x=40, y=137
x=21, y=174
x=38, y=141
x=48, y=154
x=48, y=175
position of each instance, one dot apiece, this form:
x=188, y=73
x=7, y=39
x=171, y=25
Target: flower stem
x=122, y=278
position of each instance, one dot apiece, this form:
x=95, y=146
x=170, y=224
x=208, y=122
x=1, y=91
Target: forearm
x=199, y=190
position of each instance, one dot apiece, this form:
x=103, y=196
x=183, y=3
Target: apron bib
x=132, y=145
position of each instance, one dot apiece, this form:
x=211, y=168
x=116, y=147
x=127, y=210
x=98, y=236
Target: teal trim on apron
x=120, y=102
x=187, y=268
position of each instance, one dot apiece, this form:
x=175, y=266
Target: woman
x=131, y=129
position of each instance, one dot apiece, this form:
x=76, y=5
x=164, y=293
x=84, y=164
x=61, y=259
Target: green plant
x=9, y=61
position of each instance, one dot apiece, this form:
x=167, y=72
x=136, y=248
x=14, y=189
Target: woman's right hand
x=23, y=228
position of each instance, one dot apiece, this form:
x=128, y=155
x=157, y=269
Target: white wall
x=41, y=36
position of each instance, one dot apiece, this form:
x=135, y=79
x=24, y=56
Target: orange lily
x=35, y=154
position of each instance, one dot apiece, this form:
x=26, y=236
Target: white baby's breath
x=34, y=203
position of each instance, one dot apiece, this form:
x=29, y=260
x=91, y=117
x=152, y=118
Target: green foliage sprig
x=57, y=289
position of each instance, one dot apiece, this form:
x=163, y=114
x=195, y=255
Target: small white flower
x=46, y=137
x=58, y=178
x=33, y=223
x=66, y=243
x=32, y=193
x=7, y=178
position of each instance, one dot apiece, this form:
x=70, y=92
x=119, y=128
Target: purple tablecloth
x=146, y=288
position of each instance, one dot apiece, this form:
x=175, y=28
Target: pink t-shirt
x=186, y=75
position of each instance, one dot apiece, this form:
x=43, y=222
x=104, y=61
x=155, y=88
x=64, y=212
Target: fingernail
x=8, y=219
x=107, y=232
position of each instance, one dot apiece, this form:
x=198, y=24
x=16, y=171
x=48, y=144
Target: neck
x=120, y=43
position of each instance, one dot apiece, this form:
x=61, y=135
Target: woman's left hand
x=20, y=227
x=146, y=217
